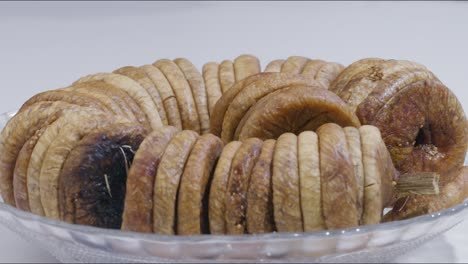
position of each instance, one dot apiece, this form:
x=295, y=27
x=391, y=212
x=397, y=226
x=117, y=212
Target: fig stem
x=423, y=183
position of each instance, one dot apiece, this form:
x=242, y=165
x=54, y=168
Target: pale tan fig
x=338, y=181
x=168, y=178
x=310, y=185
x=218, y=188
x=183, y=93
x=245, y=66
x=294, y=64
x=213, y=86
x=286, y=188
x=274, y=66
x=239, y=178
x=226, y=75
x=138, y=207
x=192, y=207
x=142, y=78
x=294, y=109
x=259, y=213
x=93, y=177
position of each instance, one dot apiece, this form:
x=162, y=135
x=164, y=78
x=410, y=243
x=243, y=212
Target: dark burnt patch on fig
x=92, y=183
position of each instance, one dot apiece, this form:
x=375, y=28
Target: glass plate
x=374, y=243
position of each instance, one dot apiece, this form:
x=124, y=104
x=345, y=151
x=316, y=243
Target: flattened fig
x=183, y=93
x=294, y=109
x=93, y=179
x=218, y=188
x=338, y=182
x=192, y=205
x=259, y=213
x=17, y=131
x=138, y=208
x=312, y=67
x=250, y=94
x=286, y=185
x=274, y=66
x=141, y=78
x=239, y=177
x=245, y=66
x=309, y=178
x=328, y=73
x=378, y=175
x=168, y=178
x=212, y=83
x=294, y=64
x=226, y=75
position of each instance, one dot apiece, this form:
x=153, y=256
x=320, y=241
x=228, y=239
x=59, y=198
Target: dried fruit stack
x=132, y=149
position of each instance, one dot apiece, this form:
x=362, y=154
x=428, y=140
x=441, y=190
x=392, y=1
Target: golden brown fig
x=259, y=213
x=192, y=207
x=294, y=109
x=141, y=78
x=245, y=66
x=286, y=185
x=312, y=67
x=309, y=176
x=379, y=174
x=133, y=89
x=92, y=181
x=71, y=97
x=138, y=207
x=250, y=94
x=195, y=79
x=274, y=66
x=226, y=75
x=338, y=182
x=167, y=94
x=17, y=131
x=223, y=103
x=328, y=73
x=183, y=93
x=168, y=179
x=236, y=196
x=57, y=154
x=218, y=188
x=453, y=191
x=213, y=86
x=294, y=64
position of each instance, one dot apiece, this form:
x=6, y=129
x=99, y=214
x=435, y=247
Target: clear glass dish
x=375, y=243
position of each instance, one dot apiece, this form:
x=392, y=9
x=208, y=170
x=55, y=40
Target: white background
x=49, y=45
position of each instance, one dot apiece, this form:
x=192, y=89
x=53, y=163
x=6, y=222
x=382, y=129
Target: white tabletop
x=49, y=45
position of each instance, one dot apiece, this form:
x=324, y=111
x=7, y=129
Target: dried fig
x=239, y=177
x=213, y=86
x=133, y=89
x=312, y=67
x=294, y=64
x=309, y=178
x=294, y=109
x=379, y=174
x=259, y=212
x=245, y=66
x=142, y=79
x=195, y=79
x=58, y=152
x=17, y=131
x=183, y=93
x=250, y=94
x=138, y=207
x=338, y=181
x=167, y=94
x=218, y=188
x=226, y=75
x=286, y=186
x=274, y=66
x=192, y=204
x=168, y=179
x=92, y=181
x=328, y=73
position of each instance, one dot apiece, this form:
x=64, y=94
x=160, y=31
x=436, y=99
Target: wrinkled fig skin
x=453, y=191
x=294, y=64
x=294, y=109
x=84, y=195
x=259, y=213
x=339, y=187
x=138, y=209
x=433, y=137
x=226, y=75
x=245, y=66
x=192, y=207
x=236, y=196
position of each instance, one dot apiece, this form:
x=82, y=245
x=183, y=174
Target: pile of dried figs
x=304, y=145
